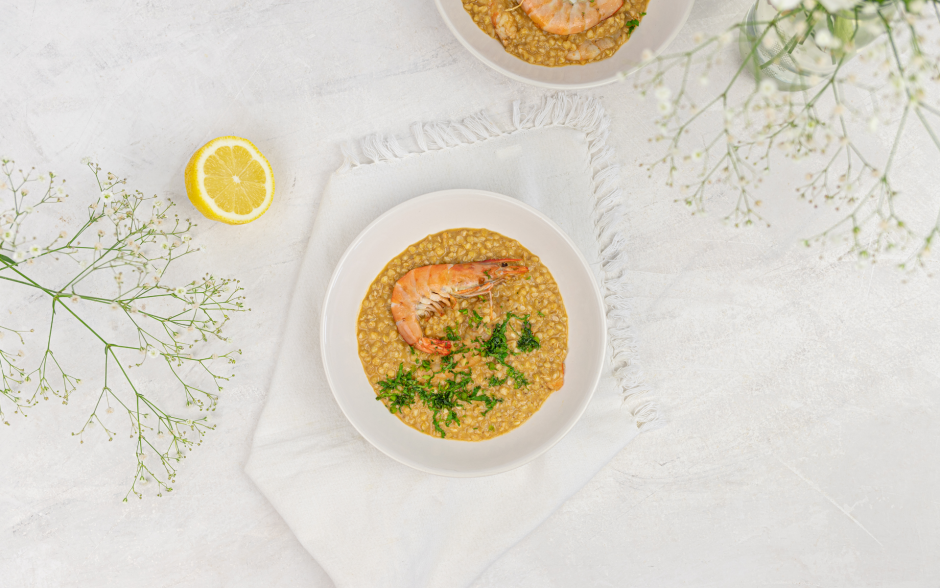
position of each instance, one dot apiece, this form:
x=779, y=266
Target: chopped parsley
x=632, y=24
x=404, y=389
x=414, y=385
x=527, y=342
x=518, y=378
x=496, y=346
x=474, y=320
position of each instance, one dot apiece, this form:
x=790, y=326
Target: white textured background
x=802, y=395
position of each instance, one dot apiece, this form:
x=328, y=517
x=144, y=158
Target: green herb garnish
x=496, y=346
x=527, y=342
x=518, y=378
x=474, y=320
x=497, y=382
x=404, y=389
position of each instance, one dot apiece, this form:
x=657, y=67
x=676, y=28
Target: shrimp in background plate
x=503, y=23
x=567, y=17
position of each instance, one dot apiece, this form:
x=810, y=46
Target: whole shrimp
x=567, y=17
x=427, y=289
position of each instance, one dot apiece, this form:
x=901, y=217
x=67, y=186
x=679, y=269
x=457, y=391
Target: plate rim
x=595, y=380
x=680, y=23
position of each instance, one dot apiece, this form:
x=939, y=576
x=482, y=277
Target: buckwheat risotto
x=558, y=32
x=491, y=345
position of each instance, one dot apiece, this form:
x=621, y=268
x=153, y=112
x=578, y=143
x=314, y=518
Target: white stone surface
x=802, y=395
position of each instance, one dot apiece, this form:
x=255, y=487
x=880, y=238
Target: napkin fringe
x=587, y=115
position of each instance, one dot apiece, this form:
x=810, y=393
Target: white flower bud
x=767, y=87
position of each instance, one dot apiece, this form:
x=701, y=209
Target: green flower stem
x=201, y=307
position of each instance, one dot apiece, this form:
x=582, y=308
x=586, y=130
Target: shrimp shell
x=427, y=289
x=567, y=17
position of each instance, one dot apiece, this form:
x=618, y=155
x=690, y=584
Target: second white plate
x=663, y=20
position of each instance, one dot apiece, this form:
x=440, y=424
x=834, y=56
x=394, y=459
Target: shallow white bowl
x=658, y=28
x=389, y=235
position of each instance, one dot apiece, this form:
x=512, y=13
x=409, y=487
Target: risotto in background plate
x=492, y=348
x=557, y=33
x=662, y=22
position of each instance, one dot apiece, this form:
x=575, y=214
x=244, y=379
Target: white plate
x=389, y=235
x=658, y=28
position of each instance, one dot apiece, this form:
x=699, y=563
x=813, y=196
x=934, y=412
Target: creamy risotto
x=507, y=22
x=499, y=368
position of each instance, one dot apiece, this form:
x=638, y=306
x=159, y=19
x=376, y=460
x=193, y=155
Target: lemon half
x=229, y=180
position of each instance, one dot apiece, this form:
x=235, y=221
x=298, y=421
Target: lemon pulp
x=229, y=180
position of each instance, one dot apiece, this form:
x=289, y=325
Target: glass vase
x=799, y=48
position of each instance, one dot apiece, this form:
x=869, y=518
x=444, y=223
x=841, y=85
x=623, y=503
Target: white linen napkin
x=368, y=520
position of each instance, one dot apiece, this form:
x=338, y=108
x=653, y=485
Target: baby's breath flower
x=834, y=6
x=827, y=40
x=767, y=87
x=803, y=125
x=180, y=291
x=113, y=251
